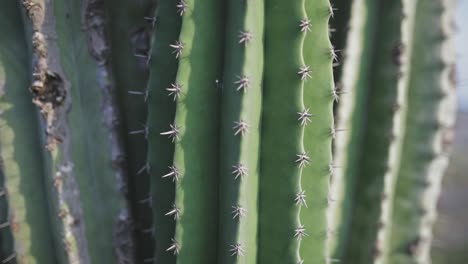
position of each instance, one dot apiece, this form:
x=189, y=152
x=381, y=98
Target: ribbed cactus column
x=24, y=214
x=240, y=132
x=130, y=26
x=73, y=88
x=372, y=115
x=161, y=94
x=431, y=112
x=296, y=132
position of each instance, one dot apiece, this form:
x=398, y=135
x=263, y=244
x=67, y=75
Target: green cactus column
x=240, y=132
x=371, y=113
x=430, y=119
x=24, y=214
x=161, y=93
x=297, y=128
x=130, y=27
x=73, y=88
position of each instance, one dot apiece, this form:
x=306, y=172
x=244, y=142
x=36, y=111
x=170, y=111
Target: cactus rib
x=240, y=132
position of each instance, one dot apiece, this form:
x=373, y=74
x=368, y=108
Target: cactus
x=202, y=131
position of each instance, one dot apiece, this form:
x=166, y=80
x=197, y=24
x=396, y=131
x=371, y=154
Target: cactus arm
x=318, y=93
x=161, y=112
x=379, y=159
x=24, y=215
x=282, y=133
x=87, y=177
x=431, y=111
x=196, y=148
x=240, y=141
x=130, y=26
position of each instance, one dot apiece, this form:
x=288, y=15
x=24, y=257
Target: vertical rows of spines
x=318, y=97
x=161, y=97
x=24, y=214
x=351, y=115
x=429, y=124
x=240, y=132
x=130, y=26
x=379, y=158
x=199, y=50
x=282, y=152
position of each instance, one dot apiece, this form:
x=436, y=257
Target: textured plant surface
x=202, y=131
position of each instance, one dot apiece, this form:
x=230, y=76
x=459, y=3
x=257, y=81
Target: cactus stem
x=300, y=232
x=304, y=116
x=182, y=7
x=173, y=133
x=302, y=159
x=245, y=37
x=174, y=90
x=305, y=72
x=178, y=48
x=240, y=127
x=174, y=174
x=237, y=250
x=174, y=247
x=243, y=82
x=239, y=171
x=300, y=199
x=305, y=25
x=174, y=212
x=238, y=211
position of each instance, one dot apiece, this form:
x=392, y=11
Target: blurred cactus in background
x=237, y=131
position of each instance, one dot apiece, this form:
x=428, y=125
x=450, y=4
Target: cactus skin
x=376, y=160
x=239, y=145
x=431, y=112
x=161, y=112
x=25, y=216
x=130, y=26
x=288, y=59
x=195, y=155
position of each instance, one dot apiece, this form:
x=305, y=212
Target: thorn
x=336, y=94
x=182, y=7
x=146, y=200
x=300, y=233
x=334, y=130
x=302, y=159
x=333, y=54
x=6, y=224
x=145, y=167
x=245, y=37
x=331, y=31
x=174, y=173
x=305, y=72
x=238, y=211
x=144, y=131
x=237, y=250
x=9, y=258
x=240, y=127
x=174, y=211
x=332, y=260
x=243, y=83
x=300, y=261
x=145, y=94
x=152, y=20
x=331, y=168
x=239, y=171
x=148, y=231
x=144, y=56
x=305, y=25
x=178, y=47
x=175, y=90
x=304, y=116
x=2, y=192
x=332, y=11
x=301, y=199
x=174, y=247
x=173, y=133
